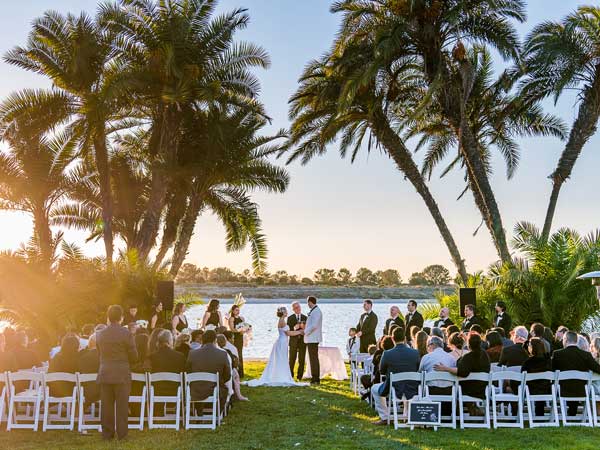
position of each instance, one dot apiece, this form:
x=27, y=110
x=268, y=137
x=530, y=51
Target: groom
x=313, y=335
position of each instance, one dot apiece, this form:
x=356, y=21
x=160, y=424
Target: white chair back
x=193, y=420
x=89, y=421
x=31, y=397
x=56, y=421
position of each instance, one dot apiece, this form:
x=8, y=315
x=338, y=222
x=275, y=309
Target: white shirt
x=229, y=346
x=438, y=356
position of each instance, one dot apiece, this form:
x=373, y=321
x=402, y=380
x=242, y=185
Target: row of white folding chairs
x=508, y=408
x=26, y=406
x=360, y=364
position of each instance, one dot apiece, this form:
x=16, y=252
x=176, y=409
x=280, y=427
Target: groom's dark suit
x=297, y=346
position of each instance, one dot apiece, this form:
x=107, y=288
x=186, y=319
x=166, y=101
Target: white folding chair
x=504, y=400
x=164, y=420
x=547, y=420
x=495, y=367
x=207, y=417
x=31, y=398
x=595, y=399
x=429, y=377
x=89, y=409
x=58, y=421
x=3, y=394
x=137, y=422
x=584, y=419
x=473, y=421
x=357, y=370
x=399, y=406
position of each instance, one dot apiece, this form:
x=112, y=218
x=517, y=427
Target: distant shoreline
x=332, y=293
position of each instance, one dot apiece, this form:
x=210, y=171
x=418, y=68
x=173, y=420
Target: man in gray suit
x=210, y=359
x=116, y=352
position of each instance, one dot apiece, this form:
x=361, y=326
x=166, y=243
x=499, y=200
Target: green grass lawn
x=328, y=417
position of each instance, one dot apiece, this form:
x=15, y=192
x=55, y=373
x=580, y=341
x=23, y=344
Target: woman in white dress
x=277, y=372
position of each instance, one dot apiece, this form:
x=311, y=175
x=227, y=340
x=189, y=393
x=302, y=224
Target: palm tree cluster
x=422, y=69
x=152, y=120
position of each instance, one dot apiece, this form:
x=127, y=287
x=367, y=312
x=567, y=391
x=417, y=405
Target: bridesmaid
x=179, y=321
x=238, y=336
x=212, y=316
x=156, y=310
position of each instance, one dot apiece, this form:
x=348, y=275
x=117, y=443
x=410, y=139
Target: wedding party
x=279, y=224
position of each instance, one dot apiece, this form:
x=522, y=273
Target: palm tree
x=34, y=178
x=324, y=108
x=179, y=58
x=432, y=32
x=564, y=55
x=495, y=116
x=75, y=53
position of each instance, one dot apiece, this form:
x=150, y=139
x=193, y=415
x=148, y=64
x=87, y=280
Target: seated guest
x=502, y=319
x=352, y=344
x=494, y=346
x=583, y=343
x=86, y=331
x=413, y=335
x=88, y=357
x=153, y=341
x=439, y=332
x=595, y=350
x=25, y=358
x=536, y=363
x=456, y=344
x=476, y=361
x=573, y=358
x=558, y=337
x=196, y=342
x=537, y=330
x=444, y=320
x=142, y=365
x=549, y=337
x=516, y=354
x=66, y=360
x=470, y=318
x=7, y=359
x=234, y=383
x=394, y=319
x=209, y=359
x=182, y=344
x=421, y=343
x=437, y=355
x=165, y=359
x=505, y=341
x=401, y=358
x=385, y=343
x=229, y=345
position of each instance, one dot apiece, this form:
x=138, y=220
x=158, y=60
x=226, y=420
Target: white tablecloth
x=331, y=364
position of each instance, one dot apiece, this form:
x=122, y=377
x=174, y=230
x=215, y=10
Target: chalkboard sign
x=424, y=413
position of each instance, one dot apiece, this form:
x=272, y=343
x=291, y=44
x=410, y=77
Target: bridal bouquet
x=245, y=328
x=142, y=323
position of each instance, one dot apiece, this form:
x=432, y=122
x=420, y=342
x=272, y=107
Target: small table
x=331, y=364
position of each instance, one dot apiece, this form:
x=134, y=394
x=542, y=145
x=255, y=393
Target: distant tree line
x=431, y=275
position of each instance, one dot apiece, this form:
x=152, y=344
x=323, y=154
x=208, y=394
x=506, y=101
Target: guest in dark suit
x=366, y=327
x=413, y=318
x=117, y=352
x=401, y=358
x=297, y=347
x=211, y=359
x=502, y=319
x=165, y=359
x=470, y=319
x=444, y=320
x=536, y=363
x=573, y=358
x=516, y=354
x=394, y=319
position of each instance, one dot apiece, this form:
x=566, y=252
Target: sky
x=337, y=214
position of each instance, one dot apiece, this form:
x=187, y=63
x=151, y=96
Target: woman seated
x=456, y=345
x=536, y=363
x=66, y=360
x=234, y=384
x=182, y=344
x=367, y=381
x=494, y=341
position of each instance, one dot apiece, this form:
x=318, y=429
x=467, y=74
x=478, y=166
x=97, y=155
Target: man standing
x=470, y=318
x=313, y=335
x=366, y=327
x=116, y=352
x=297, y=346
x=401, y=358
x=413, y=318
x=444, y=320
x=502, y=318
x=394, y=319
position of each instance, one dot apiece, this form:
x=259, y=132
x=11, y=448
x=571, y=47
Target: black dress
x=182, y=324
x=213, y=319
x=473, y=362
x=238, y=341
x=537, y=364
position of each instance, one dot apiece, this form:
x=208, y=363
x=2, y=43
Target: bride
x=277, y=372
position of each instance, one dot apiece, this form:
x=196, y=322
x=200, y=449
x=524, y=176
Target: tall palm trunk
x=102, y=164
x=583, y=129
x=177, y=205
x=186, y=231
x=403, y=159
x=41, y=225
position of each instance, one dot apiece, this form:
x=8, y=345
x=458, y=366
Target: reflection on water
x=338, y=316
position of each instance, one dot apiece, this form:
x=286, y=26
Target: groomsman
x=444, y=320
x=394, y=319
x=502, y=318
x=413, y=317
x=297, y=346
x=366, y=327
x=470, y=318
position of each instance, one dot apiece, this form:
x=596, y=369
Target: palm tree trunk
x=403, y=159
x=186, y=231
x=583, y=129
x=102, y=164
x=173, y=217
x=41, y=225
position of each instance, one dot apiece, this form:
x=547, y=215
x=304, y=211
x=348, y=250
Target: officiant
x=366, y=327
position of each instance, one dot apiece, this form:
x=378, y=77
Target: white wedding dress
x=277, y=372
